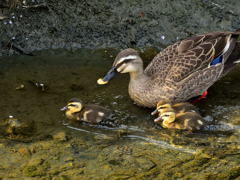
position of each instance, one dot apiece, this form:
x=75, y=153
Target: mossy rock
x=32, y=171
x=36, y=167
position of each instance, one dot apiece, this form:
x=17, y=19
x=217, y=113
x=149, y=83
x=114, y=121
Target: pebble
x=60, y=137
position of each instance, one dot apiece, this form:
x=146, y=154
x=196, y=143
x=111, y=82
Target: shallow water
x=34, y=88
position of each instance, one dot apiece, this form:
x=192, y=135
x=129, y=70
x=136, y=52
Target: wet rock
x=13, y=127
x=106, y=169
x=62, y=177
x=60, y=137
x=68, y=159
x=114, y=162
x=35, y=167
x=23, y=151
x=145, y=164
x=66, y=167
x=35, y=162
x=31, y=171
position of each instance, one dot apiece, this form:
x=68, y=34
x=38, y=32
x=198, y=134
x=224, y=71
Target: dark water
x=52, y=77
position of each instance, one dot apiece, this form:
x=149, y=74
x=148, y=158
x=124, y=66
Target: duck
x=93, y=114
x=183, y=70
x=190, y=121
x=180, y=107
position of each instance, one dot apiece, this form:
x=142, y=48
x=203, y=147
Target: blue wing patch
x=217, y=60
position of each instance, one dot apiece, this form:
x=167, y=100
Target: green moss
x=234, y=173
x=36, y=170
x=231, y=174
x=31, y=171
x=54, y=172
x=237, y=159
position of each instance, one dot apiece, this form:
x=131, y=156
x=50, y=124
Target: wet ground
x=28, y=25
x=39, y=142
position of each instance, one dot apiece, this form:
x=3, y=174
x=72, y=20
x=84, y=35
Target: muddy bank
x=29, y=25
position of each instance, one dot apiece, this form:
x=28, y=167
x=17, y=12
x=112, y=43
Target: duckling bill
x=88, y=113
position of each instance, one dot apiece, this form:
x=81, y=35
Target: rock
x=13, y=127
x=60, y=137
x=144, y=164
x=35, y=161
x=68, y=159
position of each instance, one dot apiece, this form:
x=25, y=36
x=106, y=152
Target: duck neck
x=136, y=75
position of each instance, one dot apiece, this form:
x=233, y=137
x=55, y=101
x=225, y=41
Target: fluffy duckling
x=89, y=113
x=181, y=107
x=186, y=121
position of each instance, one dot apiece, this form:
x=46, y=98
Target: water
x=34, y=88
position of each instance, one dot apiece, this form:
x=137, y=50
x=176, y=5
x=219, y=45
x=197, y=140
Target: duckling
x=89, y=113
x=186, y=121
x=178, y=107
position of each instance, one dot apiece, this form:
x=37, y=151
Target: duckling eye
x=166, y=115
x=161, y=107
x=71, y=105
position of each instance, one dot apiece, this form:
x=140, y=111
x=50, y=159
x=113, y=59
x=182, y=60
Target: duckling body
x=88, y=113
x=181, y=107
x=185, y=121
x=183, y=70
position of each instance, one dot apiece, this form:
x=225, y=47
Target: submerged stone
x=145, y=164
x=60, y=137
x=14, y=127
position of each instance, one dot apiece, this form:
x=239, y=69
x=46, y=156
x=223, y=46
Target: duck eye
x=166, y=115
x=161, y=107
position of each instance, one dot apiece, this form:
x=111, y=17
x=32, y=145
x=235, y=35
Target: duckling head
x=161, y=106
x=74, y=105
x=168, y=115
x=127, y=60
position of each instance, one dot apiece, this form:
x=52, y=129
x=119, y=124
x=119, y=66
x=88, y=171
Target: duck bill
x=158, y=119
x=154, y=112
x=64, y=108
x=111, y=74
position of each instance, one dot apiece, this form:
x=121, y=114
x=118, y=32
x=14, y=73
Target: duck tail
x=232, y=60
x=238, y=30
x=238, y=50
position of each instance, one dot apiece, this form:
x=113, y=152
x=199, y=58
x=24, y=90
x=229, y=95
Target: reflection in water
x=34, y=88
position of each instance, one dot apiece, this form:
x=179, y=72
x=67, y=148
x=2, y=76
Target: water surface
x=34, y=88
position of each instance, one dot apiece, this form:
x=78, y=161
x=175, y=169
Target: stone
x=144, y=164
x=60, y=137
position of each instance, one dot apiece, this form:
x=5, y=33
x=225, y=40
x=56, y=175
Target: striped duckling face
x=161, y=106
x=74, y=105
x=126, y=61
x=168, y=115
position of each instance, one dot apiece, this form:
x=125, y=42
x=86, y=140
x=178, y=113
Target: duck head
x=74, y=105
x=161, y=106
x=168, y=115
x=127, y=60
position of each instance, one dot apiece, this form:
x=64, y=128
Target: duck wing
x=195, y=53
x=197, y=83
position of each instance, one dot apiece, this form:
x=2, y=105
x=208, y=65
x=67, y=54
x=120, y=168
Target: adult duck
x=183, y=70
